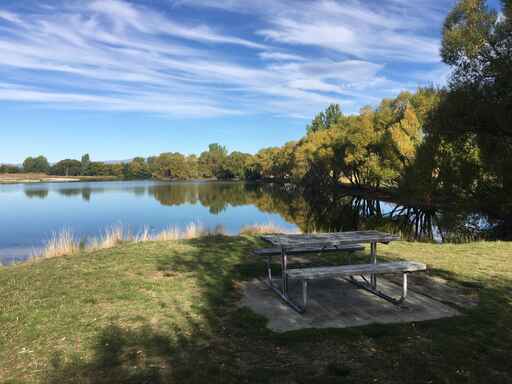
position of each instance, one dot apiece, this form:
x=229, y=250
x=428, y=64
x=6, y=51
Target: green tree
x=97, y=168
x=67, y=167
x=192, y=164
x=235, y=165
x=478, y=46
x=211, y=162
x=324, y=120
x=7, y=168
x=172, y=166
x=36, y=164
x=116, y=170
x=137, y=169
x=85, y=163
x=466, y=151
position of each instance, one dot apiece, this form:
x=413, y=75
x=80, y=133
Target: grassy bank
x=15, y=178
x=157, y=311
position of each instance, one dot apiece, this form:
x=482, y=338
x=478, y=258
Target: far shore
x=33, y=178
x=29, y=178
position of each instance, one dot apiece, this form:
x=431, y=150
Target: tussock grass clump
x=168, y=234
x=218, y=230
x=65, y=243
x=191, y=231
x=60, y=244
x=144, y=235
x=269, y=227
x=111, y=237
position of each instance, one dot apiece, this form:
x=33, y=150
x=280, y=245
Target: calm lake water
x=30, y=213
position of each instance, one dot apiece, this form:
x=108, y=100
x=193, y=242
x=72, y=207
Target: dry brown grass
x=144, y=235
x=168, y=234
x=22, y=176
x=111, y=237
x=7, y=178
x=267, y=228
x=60, y=244
x=65, y=243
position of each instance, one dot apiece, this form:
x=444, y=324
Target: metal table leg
x=269, y=268
x=282, y=291
x=284, y=268
x=373, y=277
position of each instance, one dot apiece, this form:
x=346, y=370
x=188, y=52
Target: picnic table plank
x=329, y=239
x=308, y=249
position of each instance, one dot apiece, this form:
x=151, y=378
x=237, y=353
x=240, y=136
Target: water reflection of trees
x=84, y=192
x=322, y=211
x=340, y=211
x=36, y=193
x=215, y=196
x=331, y=211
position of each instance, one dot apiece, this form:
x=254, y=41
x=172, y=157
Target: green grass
x=161, y=312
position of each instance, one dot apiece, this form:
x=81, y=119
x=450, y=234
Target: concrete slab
x=336, y=303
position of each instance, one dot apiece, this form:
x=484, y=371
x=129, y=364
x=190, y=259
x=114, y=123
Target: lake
x=30, y=213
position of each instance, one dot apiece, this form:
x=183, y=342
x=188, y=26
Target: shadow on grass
x=203, y=352
x=238, y=348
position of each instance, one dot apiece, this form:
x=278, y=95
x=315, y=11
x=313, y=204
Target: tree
x=97, y=168
x=235, y=165
x=192, y=165
x=478, y=46
x=66, y=167
x=7, y=168
x=211, y=161
x=466, y=150
x=318, y=159
x=36, y=164
x=116, y=170
x=324, y=120
x=85, y=163
x=137, y=169
x=172, y=166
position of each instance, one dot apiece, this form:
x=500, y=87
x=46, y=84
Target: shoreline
x=77, y=179
x=6, y=179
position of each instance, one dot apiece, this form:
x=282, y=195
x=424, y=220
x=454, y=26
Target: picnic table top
x=329, y=239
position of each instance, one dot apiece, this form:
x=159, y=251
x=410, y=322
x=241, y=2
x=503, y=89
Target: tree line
x=215, y=162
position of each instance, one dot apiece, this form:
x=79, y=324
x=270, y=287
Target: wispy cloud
x=10, y=17
x=280, y=56
x=291, y=60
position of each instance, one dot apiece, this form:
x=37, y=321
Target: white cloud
x=113, y=55
x=349, y=33
x=124, y=15
x=391, y=30
x=10, y=17
x=280, y=56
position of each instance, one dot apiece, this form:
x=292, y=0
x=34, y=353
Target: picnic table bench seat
x=355, y=269
x=404, y=267
x=307, y=249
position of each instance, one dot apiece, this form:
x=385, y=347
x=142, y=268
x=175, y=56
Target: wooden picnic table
x=288, y=243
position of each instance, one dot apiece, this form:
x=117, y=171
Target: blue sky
x=119, y=78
